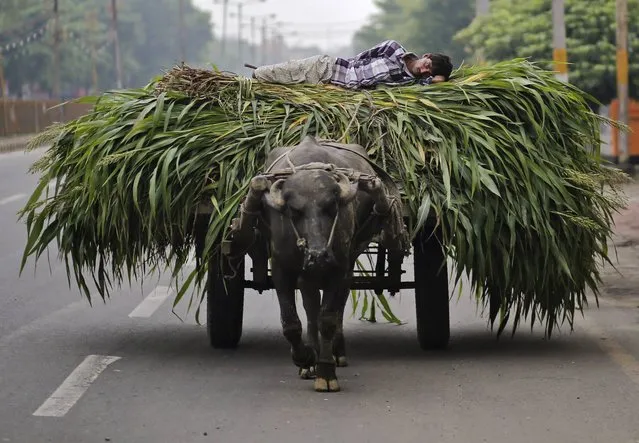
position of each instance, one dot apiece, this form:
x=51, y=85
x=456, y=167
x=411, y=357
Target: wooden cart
x=226, y=287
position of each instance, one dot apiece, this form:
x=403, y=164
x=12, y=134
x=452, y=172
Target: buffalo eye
x=329, y=206
x=330, y=210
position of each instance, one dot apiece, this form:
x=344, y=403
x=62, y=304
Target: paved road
x=154, y=379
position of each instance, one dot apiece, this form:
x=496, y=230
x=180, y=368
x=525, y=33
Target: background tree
x=148, y=33
x=420, y=25
x=22, y=25
x=159, y=49
x=523, y=28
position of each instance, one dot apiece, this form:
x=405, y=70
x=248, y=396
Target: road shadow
x=376, y=343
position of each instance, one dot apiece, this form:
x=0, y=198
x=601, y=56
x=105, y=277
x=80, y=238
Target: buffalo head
x=312, y=216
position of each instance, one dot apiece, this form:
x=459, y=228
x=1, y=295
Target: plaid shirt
x=383, y=63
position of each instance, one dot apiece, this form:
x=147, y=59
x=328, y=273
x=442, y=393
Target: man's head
x=431, y=65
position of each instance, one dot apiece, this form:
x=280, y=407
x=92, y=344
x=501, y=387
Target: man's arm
x=387, y=48
x=378, y=72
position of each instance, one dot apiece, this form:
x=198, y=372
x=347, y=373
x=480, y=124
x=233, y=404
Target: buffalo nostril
x=317, y=258
x=310, y=261
x=314, y=258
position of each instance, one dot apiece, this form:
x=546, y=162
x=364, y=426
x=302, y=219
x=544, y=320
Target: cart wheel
x=225, y=302
x=431, y=290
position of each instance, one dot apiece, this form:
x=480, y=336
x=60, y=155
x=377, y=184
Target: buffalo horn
x=274, y=197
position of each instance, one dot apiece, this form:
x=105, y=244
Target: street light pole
x=239, y=31
x=482, y=7
x=93, y=24
x=116, y=44
x=251, y=39
x=5, y=122
x=264, y=50
x=622, y=77
x=224, y=18
x=277, y=48
x=252, y=43
x=56, y=50
x=240, y=5
x=559, y=54
x=2, y=95
x=181, y=31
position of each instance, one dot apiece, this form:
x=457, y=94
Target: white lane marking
x=12, y=198
x=152, y=302
x=75, y=385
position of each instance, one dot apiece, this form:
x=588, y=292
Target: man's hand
x=438, y=79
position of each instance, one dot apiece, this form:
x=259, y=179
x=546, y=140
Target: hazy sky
x=321, y=22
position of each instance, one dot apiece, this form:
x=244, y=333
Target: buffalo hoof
x=341, y=361
x=324, y=385
x=326, y=380
x=307, y=373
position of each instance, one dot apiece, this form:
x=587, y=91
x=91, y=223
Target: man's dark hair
x=441, y=65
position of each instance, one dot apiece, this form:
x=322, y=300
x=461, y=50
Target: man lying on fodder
x=387, y=63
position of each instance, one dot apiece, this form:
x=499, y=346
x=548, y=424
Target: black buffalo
x=321, y=204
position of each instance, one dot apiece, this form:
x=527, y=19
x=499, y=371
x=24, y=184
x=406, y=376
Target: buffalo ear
x=347, y=190
x=274, y=197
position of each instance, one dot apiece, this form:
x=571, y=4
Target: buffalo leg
x=326, y=379
x=311, y=298
x=339, y=343
x=303, y=355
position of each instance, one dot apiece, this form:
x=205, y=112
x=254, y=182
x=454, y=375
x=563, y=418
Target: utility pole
x=181, y=31
x=277, y=49
x=239, y=32
x=252, y=44
x=116, y=44
x=93, y=24
x=622, y=78
x=224, y=17
x=5, y=122
x=56, y=50
x=559, y=54
x=1, y=76
x=263, y=47
x=482, y=7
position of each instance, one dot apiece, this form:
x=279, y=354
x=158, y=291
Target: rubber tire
x=431, y=290
x=225, y=305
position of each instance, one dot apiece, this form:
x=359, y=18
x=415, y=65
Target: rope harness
x=352, y=175
x=301, y=241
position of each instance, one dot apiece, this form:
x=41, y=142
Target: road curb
x=14, y=144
